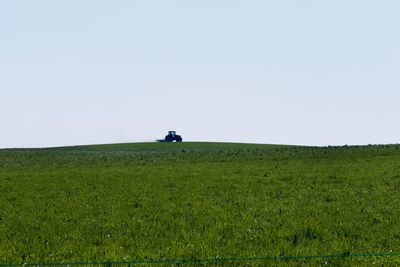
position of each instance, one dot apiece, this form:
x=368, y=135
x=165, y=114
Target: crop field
x=150, y=201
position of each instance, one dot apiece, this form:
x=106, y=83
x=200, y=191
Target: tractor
x=172, y=136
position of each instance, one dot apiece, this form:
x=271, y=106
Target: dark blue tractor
x=171, y=137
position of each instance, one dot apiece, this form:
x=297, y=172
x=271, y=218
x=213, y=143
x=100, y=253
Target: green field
x=200, y=200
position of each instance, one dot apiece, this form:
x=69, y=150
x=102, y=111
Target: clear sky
x=293, y=72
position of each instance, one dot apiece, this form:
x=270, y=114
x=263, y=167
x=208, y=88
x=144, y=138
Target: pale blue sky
x=294, y=72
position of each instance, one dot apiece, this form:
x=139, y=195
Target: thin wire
x=213, y=260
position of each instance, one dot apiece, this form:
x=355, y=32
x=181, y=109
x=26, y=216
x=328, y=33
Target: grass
x=199, y=200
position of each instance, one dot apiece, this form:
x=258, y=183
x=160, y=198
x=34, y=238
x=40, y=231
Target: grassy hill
x=199, y=200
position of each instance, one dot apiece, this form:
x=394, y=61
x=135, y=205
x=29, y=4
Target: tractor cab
x=171, y=137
